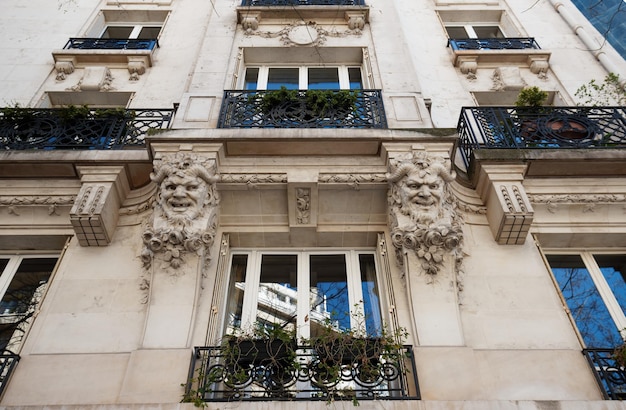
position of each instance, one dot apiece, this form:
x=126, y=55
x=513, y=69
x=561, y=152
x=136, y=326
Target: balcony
x=302, y=109
x=494, y=44
x=548, y=128
x=610, y=376
x=305, y=377
x=79, y=128
x=110, y=44
x=8, y=361
x=303, y=3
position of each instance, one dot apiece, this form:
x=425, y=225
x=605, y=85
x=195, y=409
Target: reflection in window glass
x=117, y=32
x=613, y=268
x=456, y=32
x=329, y=289
x=488, y=32
x=238, y=285
x=277, y=298
x=371, y=299
x=251, y=79
x=283, y=77
x=323, y=79
x=584, y=301
x=3, y=264
x=354, y=76
x=149, y=33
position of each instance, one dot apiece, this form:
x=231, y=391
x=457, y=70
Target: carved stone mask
x=183, y=196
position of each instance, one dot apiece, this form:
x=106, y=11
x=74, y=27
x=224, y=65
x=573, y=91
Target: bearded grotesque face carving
x=420, y=194
x=183, y=196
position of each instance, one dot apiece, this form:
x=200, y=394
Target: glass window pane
x=235, y=294
x=251, y=79
x=587, y=307
x=613, y=267
x=149, y=33
x=456, y=32
x=354, y=76
x=323, y=78
x=21, y=300
x=488, y=32
x=283, y=77
x=278, y=298
x=371, y=298
x=3, y=264
x=329, y=292
x=117, y=32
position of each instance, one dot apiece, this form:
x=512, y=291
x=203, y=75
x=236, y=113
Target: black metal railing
x=511, y=43
x=303, y=2
x=248, y=109
x=110, y=44
x=31, y=128
x=8, y=361
x=611, y=376
x=543, y=127
x=214, y=378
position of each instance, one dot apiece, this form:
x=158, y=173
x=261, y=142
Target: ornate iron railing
x=611, y=376
x=213, y=377
x=26, y=128
x=543, y=127
x=511, y=43
x=248, y=109
x=110, y=44
x=8, y=361
x=303, y=3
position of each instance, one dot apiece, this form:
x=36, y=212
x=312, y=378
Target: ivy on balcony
x=74, y=128
x=302, y=109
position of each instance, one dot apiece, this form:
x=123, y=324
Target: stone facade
x=145, y=235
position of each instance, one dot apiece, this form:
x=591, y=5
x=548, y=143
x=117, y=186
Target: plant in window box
x=265, y=356
x=619, y=355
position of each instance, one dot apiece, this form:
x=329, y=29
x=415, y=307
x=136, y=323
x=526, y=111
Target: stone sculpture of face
x=183, y=196
x=421, y=194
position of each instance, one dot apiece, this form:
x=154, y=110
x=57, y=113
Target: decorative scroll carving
x=184, y=217
x=423, y=215
x=305, y=33
x=63, y=69
x=303, y=205
x=50, y=201
x=589, y=200
x=253, y=179
x=352, y=179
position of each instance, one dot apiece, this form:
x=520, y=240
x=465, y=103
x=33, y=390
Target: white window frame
x=604, y=290
x=470, y=30
x=355, y=293
x=344, y=79
x=137, y=27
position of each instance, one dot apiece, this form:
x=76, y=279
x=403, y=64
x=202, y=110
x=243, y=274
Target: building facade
x=313, y=203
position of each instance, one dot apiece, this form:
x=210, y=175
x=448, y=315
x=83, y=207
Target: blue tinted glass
x=354, y=75
x=278, y=293
x=371, y=299
x=283, y=77
x=329, y=291
x=613, y=268
x=323, y=79
x=587, y=307
x=251, y=80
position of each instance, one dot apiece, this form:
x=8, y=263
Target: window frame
x=135, y=31
x=597, y=277
x=303, y=306
x=263, y=75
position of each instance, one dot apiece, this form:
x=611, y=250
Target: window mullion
x=605, y=291
x=471, y=33
x=344, y=80
x=8, y=273
x=262, y=80
x=355, y=293
x=135, y=32
x=251, y=291
x=303, y=326
x=303, y=78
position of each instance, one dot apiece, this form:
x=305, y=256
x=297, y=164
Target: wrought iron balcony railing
x=516, y=43
x=213, y=377
x=268, y=109
x=611, y=376
x=60, y=128
x=110, y=44
x=540, y=128
x=303, y=3
x=8, y=361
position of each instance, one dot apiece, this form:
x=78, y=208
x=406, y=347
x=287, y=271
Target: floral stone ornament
x=184, y=219
x=422, y=211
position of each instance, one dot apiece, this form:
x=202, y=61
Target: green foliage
x=318, y=101
x=531, y=97
x=619, y=354
x=273, y=99
x=607, y=93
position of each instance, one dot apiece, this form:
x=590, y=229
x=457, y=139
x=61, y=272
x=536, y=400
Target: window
x=483, y=24
x=594, y=288
x=138, y=31
x=128, y=24
x=303, y=290
x=474, y=31
x=303, y=78
x=23, y=282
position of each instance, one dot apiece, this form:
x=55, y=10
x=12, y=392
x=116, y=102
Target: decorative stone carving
x=423, y=218
x=356, y=20
x=539, y=65
x=354, y=180
x=250, y=21
x=507, y=78
x=52, y=202
x=304, y=33
x=590, y=201
x=252, y=180
x=63, y=68
x=94, y=79
x=303, y=205
x=184, y=217
x=137, y=67
x=468, y=66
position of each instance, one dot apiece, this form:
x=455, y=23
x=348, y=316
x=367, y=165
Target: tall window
x=303, y=78
x=594, y=287
x=304, y=290
x=23, y=282
x=131, y=31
